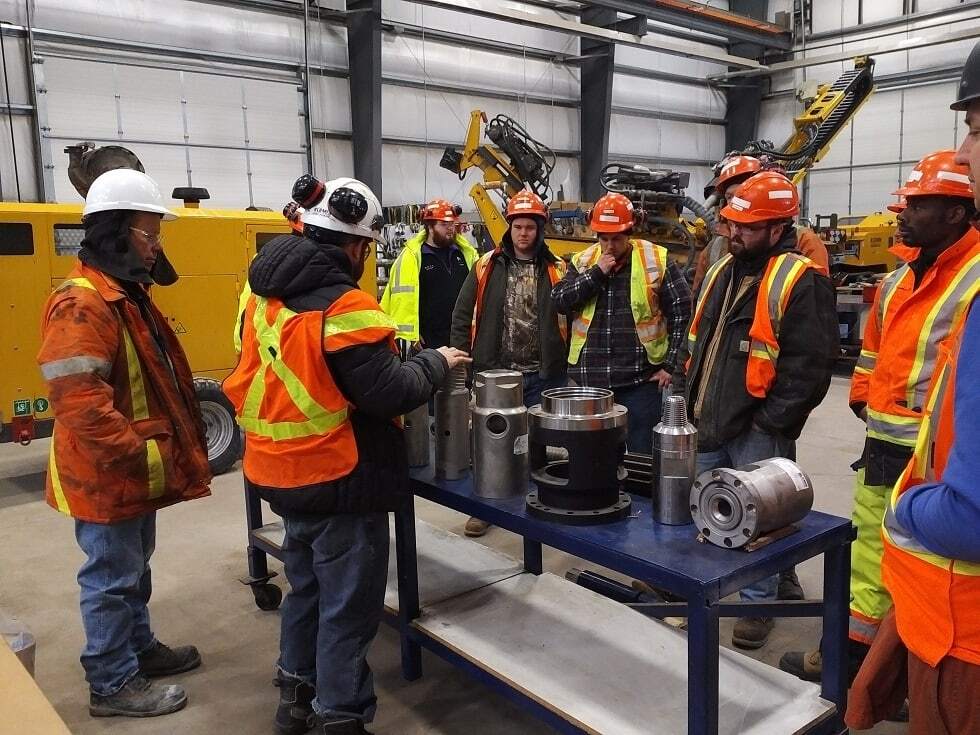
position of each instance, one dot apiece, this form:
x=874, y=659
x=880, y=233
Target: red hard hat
x=735, y=167
x=766, y=196
x=612, y=213
x=898, y=206
x=525, y=203
x=938, y=175
x=440, y=210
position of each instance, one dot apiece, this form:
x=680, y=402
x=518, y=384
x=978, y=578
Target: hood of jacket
x=290, y=266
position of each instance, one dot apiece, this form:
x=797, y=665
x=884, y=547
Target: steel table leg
x=702, y=666
x=532, y=556
x=836, y=601
x=408, y=588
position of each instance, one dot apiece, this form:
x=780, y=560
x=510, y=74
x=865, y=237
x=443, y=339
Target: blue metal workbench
x=668, y=557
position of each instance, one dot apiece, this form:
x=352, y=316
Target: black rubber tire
x=224, y=436
x=267, y=596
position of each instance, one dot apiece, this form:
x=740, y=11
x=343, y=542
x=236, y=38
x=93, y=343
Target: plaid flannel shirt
x=613, y=356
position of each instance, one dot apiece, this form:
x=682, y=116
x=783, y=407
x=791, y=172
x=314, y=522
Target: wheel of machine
x=223, y=435
x=267, y=596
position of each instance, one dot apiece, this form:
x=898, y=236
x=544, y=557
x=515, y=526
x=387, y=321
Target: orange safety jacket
x=782, y=274
x=937, y=600
x=484, y=267
x=902, y=338
x=128, y=437
x=296, y=420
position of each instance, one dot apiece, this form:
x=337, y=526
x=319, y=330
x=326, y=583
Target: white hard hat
x=348, y=205
x=124, y=188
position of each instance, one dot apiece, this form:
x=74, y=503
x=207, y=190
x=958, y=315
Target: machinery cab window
x=16, y=238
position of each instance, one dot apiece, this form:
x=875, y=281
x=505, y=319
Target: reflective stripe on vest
x=156, y=478
x=318, y=419
x=707, y=284
x=484, y=267
x=781, y=276
x=648, y=264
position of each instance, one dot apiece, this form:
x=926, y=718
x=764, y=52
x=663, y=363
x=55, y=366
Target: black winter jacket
x=308, y=276
x=809, y=343
x=487, y=350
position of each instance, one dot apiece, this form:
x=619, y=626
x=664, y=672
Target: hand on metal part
x=661, y=378
x=454, y=357
x=607, y=263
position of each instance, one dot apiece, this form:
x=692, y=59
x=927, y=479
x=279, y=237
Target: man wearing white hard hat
x=128, y=437
x=318, y=390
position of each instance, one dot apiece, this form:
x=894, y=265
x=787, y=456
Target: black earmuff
x=308, y=191
x=347, y=205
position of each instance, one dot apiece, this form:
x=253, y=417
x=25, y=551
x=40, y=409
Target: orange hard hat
x=440, y=210
x=612, y=213
x=526, y=203
x=766, y=196
x=898, y=206
x=938, y=175
x=735, y=167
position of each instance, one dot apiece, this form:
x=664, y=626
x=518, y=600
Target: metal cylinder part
x=500, y=441
x=452, y=426
x=734, y=507
x=674, y=464
x=585, y=487
x=417, y=436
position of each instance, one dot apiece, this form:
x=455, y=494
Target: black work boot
x=807, y=665
x=161, y=660
x=295, y=706
x=345, y=726
x=752, y=633
x=789, y=586
x=139, y=698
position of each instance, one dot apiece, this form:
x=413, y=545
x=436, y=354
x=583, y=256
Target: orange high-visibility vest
x=484, y=267
x=902, y=338
x=782, y=274
x=937, y=600
x=295, y=418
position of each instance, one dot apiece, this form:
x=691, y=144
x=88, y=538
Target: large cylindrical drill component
x=734, y=507
x=452, y=426
x=587, y=486
x=417, y=436
x=674, y=464
x=500, y=447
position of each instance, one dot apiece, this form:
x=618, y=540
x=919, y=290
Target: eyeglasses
x=152, y=239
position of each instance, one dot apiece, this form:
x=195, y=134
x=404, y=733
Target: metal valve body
x=500, y=440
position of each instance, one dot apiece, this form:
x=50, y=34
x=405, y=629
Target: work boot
x=752, y=633
x=346, y=726
x=139, y=698
x=475, y=527
x=806, y=665
x=295, y=706
x=789, y=586
x=161, y=660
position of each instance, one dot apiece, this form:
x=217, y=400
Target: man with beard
x=504, y=316
x=762, y=345
x=426, y=278
x=912, y=315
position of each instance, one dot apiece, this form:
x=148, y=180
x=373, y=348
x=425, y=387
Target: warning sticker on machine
x=22, y=407
x=793, y=470
x=520, y=444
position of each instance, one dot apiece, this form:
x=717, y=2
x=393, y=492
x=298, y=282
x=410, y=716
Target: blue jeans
x=644, y=403
x=534, y=384
x=750, y=447
x=115, y=589
x=337, y=567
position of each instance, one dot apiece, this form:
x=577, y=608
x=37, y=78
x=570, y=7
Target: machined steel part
x=500, y=434
x=417, y=436
x=586, y=487
x=452, y=426
x=674, y=464
x=734, y=507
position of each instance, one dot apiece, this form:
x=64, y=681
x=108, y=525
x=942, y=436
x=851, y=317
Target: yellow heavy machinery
x=863, y=246
x=211, y=250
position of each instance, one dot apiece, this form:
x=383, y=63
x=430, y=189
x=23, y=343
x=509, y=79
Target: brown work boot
x=752, y=633
x=807, y=665
x=475, y=527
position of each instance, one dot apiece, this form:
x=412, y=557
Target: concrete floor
x=197, y=599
